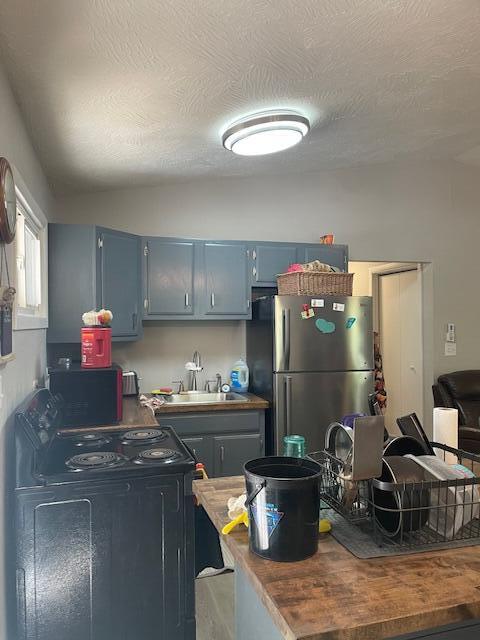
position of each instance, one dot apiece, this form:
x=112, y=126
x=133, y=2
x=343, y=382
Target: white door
x=400, y=326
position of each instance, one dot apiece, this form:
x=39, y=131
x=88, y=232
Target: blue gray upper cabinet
x=119, y=273
x=72, y=279
x=270, y=259
x=88, y=268
x=169, y=276
x=334, y=254
x=227, y=283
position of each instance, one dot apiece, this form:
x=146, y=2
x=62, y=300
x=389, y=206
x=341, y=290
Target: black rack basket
x=431, y=512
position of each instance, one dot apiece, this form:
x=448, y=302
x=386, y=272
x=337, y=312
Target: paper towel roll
x=445, y=431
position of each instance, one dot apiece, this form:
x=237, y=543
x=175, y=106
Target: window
x=30, y=268
x=29, y=291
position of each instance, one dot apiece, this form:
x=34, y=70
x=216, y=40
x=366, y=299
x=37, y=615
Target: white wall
x=398, y=212
x=29, y=346
x=166, y=346
x=362, y=281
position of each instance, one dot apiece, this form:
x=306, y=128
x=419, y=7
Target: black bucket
x=283, y=501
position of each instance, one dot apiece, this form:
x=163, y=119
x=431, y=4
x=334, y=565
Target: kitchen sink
x=199, y=397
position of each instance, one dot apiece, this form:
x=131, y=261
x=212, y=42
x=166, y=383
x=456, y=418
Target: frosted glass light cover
x=265, y=133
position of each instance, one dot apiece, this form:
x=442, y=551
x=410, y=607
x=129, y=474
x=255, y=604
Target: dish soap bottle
x=239, y=376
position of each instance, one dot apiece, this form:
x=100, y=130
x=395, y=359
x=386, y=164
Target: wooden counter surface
x=134, y=415
x=335, y=596
x=254, y=402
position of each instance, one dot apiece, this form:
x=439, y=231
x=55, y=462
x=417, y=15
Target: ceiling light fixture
x=264, y=133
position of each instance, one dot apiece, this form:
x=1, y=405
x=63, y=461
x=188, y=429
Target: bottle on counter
x=239, y=376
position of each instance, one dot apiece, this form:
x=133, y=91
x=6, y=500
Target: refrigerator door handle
x=288, y=405
x=286, y=337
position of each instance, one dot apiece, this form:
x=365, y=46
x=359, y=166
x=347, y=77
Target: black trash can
x=283, y=501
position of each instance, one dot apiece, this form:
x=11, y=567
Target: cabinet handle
x=134, y=320
x=186, y=299
x=222, y=454
x=212, y=299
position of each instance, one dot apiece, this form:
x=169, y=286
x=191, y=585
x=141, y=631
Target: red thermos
x=96, y=347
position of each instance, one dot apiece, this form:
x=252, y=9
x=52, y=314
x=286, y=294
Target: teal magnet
x=324, y=325
x=350, y=322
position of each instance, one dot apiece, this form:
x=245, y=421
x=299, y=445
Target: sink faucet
x=218, y=384
x=181, y=388
x=197, y=361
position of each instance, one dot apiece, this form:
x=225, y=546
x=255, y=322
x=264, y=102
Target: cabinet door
x=202, y=449
x=226, y=280
x=120, y=283
x=72, y=279
x=231, y=453
x=335, y=255
x=169, y=276
x=270, y=260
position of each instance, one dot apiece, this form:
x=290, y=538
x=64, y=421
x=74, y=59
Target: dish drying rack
x=439, y=513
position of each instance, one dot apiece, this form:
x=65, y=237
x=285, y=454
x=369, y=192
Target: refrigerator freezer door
x=306, y=403
x=338, y=338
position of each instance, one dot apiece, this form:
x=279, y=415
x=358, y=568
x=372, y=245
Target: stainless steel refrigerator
x=313, y=371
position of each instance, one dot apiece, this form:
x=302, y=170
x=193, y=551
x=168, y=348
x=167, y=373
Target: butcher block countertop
x=335, y=596
x=134, y=415
x=254, y=402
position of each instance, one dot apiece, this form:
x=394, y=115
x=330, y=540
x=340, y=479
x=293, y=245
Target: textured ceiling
x=133, y=92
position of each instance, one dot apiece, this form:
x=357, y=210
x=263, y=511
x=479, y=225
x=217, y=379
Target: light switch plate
x=450, y=349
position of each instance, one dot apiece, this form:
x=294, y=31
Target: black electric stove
x=99, y=454
x=104, y=530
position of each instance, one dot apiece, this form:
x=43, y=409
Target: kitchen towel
x=445, y=431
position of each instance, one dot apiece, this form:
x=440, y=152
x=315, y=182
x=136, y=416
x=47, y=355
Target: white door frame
x=399, y=267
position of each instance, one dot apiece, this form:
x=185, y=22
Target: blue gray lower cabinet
x=222, y=440
x=254, y=622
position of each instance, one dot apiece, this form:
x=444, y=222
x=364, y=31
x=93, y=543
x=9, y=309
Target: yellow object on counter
x=241, y=519
x=324, y=526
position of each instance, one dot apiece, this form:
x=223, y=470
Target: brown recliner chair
x=461, y=390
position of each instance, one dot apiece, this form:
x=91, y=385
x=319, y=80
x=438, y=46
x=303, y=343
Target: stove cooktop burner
x=90, y=439
x=157, y=455
x=142, y=436
x=95, y=460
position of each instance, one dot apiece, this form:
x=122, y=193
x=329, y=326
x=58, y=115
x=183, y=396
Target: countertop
x=134, y=415
x=254, y=402
x=335, y=596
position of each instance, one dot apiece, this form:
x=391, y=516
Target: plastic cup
x=294, y=446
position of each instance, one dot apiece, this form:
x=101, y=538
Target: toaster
x=130, y=383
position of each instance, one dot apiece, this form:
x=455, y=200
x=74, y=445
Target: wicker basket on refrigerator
x=314, y=283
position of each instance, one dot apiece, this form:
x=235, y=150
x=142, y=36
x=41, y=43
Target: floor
x=215, y=607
